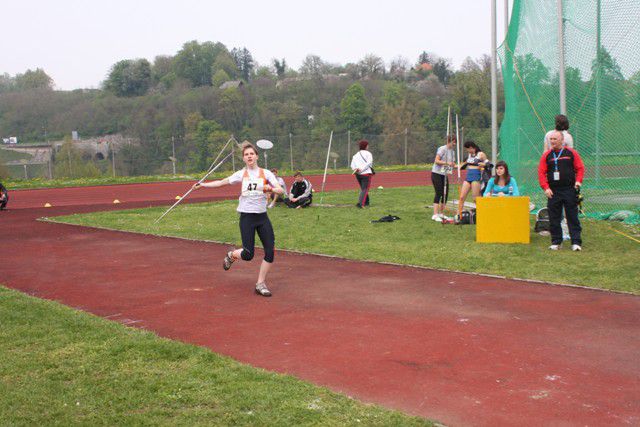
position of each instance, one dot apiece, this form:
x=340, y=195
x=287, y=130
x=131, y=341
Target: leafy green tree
x=194, y=61
x=244, y=62
x=162, y=66
x=68, y=163
x=7, y=83
x=470, y=90
x=532, y=70
x=232, y=109
x=130, y=77
x=425, y=58
x=281, y=68
x=219, y=77
x=401, y=111
x=399, y=67
x=355, y=110
x=442, y=69
x=34, y=79
x=225, y=62
x=209, y=137
x=313, y=65
x=371, y=66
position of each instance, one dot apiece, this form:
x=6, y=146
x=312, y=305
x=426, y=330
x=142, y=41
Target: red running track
x=462, y=349
x=164, y=192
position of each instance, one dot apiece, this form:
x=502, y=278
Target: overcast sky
x=76, y=42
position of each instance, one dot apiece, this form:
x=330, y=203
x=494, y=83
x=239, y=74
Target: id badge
x=556, y=176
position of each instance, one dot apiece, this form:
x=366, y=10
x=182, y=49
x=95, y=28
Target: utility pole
x=406, y=131
x=494, y=86
x=506, y=18
x=561, y=75
x=598, y=121
x=291, y=150
x=113, y=159
x=173, y=153
x=348, y=148
x=50, y=151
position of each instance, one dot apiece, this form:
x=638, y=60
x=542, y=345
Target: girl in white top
x=257, y=183
x=562, y=125
x=442, y=166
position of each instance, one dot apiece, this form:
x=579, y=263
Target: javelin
x=324, y=177
x=326, y=165
x=211, y=170
x=458, y=145
x=448, y=121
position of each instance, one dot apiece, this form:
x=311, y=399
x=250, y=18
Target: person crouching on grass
x=257, y=183
x=301, y=192
x=273, y=197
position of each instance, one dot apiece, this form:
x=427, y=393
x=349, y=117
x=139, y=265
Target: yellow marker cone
x=47, y=205
x=116, y=201
x=178, y=197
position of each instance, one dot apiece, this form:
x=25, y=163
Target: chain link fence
x=119, y=156
x=602, y=69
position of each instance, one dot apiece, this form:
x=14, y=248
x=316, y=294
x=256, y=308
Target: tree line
x=181, y=97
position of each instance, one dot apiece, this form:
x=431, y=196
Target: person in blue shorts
x=475, y=163
x=502, y=184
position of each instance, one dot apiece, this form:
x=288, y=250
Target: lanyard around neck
x=555, y=158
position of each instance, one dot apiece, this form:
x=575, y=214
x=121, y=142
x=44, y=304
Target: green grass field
x=608, y=261
x=60, y=366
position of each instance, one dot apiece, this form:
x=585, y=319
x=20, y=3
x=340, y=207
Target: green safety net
x=602, y=69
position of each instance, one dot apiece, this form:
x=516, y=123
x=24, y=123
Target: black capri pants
x=438, y=185
x=249, y=224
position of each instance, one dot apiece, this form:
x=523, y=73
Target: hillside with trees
x=205, y=93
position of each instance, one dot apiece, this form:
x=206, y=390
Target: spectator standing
x=362, y=166
x=442, y=166
x=560, y=173
x=562, y=125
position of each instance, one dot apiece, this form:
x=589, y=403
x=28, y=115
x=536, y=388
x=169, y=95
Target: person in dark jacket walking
x=560, y=173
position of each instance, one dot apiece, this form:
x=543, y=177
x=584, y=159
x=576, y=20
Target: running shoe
x=554, y=247
x=261, y=289
x=576, y=248
x=228, y=260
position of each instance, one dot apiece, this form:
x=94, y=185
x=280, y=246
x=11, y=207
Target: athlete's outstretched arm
x=212, y=184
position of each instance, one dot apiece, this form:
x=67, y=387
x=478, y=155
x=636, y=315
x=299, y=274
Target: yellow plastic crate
x=502, y=220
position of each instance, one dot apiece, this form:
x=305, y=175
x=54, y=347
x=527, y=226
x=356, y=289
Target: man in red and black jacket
x=560, y=173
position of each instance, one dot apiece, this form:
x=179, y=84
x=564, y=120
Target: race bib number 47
x=252, y=186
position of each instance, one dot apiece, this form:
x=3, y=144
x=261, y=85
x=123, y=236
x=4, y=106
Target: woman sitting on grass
x=502, y=184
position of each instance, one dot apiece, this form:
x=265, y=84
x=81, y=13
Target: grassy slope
x=609, y=261
x=59, y=366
